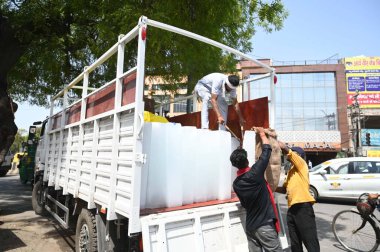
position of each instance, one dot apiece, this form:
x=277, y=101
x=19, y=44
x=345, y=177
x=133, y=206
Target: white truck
x=98, y=163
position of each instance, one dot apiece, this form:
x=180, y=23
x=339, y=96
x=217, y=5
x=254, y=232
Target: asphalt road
x=22, y=230
x=325, y=211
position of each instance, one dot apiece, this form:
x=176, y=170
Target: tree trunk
x=10, y=52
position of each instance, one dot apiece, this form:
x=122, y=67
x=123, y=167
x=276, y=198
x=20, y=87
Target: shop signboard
x=316, y=146
x=363, y=76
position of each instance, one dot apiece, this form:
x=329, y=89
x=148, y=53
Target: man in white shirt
x=213, y=87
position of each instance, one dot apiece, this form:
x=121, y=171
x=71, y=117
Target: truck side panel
x=214, y=228
x=80, y=161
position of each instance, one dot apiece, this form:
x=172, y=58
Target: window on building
x=304, y=101
x=164, y=100
x=180, y=107
x=156, y=86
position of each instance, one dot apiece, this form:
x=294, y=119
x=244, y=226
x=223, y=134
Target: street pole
x=360, y=152
x=358, y=125
x=354, y=130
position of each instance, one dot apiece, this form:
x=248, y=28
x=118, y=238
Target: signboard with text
x=363, y=75
x=316, y=146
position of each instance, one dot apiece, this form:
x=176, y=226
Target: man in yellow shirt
x=300, y=217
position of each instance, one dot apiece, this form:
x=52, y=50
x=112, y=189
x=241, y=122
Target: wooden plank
x=255, y=112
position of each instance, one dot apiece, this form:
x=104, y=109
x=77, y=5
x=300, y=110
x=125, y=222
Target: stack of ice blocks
x=185, y=165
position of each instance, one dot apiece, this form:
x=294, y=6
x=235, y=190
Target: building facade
x=164, y=96
x=311, y=105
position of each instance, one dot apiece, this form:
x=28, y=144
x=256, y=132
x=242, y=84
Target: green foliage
x=61, y=37
x=20, y=137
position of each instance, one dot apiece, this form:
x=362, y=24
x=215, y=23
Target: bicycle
x=358, y=229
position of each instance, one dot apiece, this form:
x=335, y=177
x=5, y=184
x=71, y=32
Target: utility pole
x=356, y=123
x=352, y=128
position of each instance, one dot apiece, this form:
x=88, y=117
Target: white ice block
x=173, y=165
x=234, y=145
x=185, y=165
x=204, y=153
x=188, y=153
x=213, y=169
x=147, y=137
x=224, y=166
x=249, y=144
x=156, y=189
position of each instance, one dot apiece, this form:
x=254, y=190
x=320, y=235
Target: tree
x=44, y=44
x=20, y=138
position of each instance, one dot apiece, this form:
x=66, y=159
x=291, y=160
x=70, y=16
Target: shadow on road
x=9, y=235
x=14, y=197
x=21, y=229
x=66, y=234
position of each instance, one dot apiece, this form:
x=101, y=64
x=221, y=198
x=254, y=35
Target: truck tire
x=86, y=234
x=37, y=198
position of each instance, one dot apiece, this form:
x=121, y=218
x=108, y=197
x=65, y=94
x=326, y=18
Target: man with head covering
x=213, y=88
x=300, y=217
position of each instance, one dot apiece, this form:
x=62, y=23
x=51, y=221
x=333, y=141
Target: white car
x=345, y=178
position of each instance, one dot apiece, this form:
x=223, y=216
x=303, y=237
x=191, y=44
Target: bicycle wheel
x=347, y=230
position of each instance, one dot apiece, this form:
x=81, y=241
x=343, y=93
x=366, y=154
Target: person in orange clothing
x=300, y=217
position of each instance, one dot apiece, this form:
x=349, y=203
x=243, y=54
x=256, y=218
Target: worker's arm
x=373, y=196
x=238, y=111
x=297, y=161
x=262, y=134
x=214, y=98
x=284, y=148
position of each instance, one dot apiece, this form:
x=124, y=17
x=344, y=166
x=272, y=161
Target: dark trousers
x=302, y=227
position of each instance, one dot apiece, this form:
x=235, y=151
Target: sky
x=314, y=30
x=318, y=29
